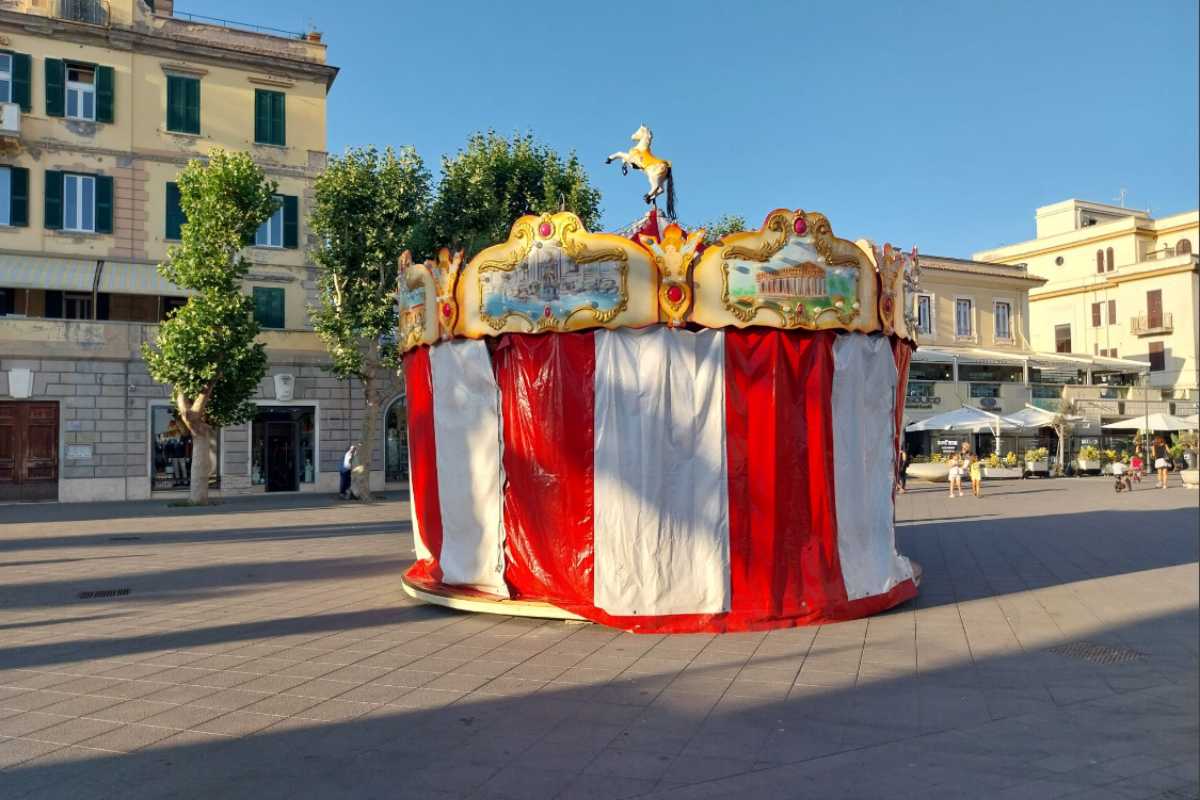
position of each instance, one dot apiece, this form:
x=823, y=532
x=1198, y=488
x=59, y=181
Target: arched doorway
x=395, y=441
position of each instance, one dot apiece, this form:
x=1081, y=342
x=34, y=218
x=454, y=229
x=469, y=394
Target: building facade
x=1118, y=282
x=102, y=102
x=973, y=322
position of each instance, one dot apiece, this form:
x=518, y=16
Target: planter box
x=1085, y=465
x=1038, y=466
x=1191, y=478
x=938, y=473
x=1001, y=472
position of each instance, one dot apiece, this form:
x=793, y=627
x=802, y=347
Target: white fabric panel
x=466, y=424
x=422, y=552
x=864, y=425
x=661, y=491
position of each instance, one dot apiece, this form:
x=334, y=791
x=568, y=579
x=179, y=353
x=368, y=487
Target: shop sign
x=79, y=452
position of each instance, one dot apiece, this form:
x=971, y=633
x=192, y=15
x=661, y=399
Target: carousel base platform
x=464, y=598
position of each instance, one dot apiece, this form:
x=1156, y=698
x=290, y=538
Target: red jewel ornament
x=800, y=226
x=887, y=305
x=546, y=312
x=447, y=309
x=544, y=230
x=674, y=293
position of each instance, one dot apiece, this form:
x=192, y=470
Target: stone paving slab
x=264, y=650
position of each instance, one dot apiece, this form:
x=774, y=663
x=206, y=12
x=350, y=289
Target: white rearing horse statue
x=658, y=170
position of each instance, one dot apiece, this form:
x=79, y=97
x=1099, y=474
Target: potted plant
x=1088, y=459
x=936, y=468
x=1037, y=461
x=996, y=467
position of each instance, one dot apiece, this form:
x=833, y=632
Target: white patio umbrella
x=967, y=418
x=1152, y=422
x=1194, y=421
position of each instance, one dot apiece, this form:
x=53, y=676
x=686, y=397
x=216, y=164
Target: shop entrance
x=28, y=452
x=283, y=447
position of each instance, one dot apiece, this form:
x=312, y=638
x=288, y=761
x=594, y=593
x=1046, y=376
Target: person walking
x=956, y=471
x=1162, y=460
x=976, y=476
x=902, y=471
x=344, y=473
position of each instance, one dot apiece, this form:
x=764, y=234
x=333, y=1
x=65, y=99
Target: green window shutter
x=21, y=77
x=56, y=88
x=269, y=123
x=291, y=221
x=175, y=218
x=54, y=200
x=268, y=307
x=104, y=94
x=183, y=104
x=18, y=201
x=104, y=204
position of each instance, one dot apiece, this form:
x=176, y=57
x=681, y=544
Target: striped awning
x=46, y=272
x=126, y=277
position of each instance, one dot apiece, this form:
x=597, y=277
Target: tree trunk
x=1058, y=467
x=192, y=416
x=360, y=476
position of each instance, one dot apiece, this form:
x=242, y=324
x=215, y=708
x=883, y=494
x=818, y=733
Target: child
x=1136, y=465
x=976, y=476
x=955, y=477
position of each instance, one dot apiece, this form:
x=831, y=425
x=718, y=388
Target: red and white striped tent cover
x=662, y=480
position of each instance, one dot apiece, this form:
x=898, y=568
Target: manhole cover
x=1098, y=653
x=100, y=594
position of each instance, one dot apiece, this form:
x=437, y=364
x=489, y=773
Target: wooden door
x=28, y=452
x=1154, y=309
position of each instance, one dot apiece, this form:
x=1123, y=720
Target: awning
x=124, y=277
x=47, y=272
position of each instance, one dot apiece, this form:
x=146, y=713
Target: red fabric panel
x=547, y=407
x=422, y=450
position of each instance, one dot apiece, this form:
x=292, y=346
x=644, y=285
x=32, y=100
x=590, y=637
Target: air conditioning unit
x=10, y=119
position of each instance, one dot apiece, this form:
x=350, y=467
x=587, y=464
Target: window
x=79, y=203
x=270, y=233
x=1096, y=321
x=5, y=196
x=1062, y=338
x=81, y=91
x=14, y=196
x=268, y=307
x=282, y=228
x=1099, y=261
x=1183, y=247
x=979, y=390
x=169, y=305
x=1003, y=317
x=77, y=306
x=1158, y=357
x=1112, y=312
x=171, y=451
x=269, y=118
x=15, y=79
x=6, y=77
x=964, y=313
x=1108, y=259
x=924, y=313
x=925, y=371
x=1154, y=315
x=1112, y=353
x=991, y=373
x=174, y=211
x=183, y=104
x=78, y=90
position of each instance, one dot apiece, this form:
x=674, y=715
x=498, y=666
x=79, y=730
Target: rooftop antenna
x=1121, y=197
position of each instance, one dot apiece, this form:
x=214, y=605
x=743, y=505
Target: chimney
x=164, y=8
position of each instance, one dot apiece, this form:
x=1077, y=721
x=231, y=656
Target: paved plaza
x=263, y=649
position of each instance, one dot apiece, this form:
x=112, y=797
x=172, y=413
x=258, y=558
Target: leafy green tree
x=369, y=207
x=715, y=230
x=487, y=185
x=206, y=351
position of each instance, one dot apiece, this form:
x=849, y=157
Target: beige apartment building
x=1118, y=282
x=973, y=322
x=102, y=102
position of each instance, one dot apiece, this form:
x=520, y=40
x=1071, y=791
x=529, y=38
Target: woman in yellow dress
x=976, y=476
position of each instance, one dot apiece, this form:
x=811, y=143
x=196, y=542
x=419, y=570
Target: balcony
x=93, y=12
x=1151, y=324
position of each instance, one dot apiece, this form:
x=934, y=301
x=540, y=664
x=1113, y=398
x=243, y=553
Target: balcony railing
x=1147, y=324
x=93, y=12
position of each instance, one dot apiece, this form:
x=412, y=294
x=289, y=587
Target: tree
x=485, y=187
x=369, y=207
x=722, y=226
x=206, y=351
x=1063, y=423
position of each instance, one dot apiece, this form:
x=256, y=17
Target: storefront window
x=985, y=390
x=171, y=451
x=995, y=373
x=396, y=443
x=283, y=447
x=922, y=371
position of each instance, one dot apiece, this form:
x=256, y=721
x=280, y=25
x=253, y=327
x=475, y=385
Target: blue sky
x=933, y=123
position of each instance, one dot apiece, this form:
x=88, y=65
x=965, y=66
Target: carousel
x=654, y=434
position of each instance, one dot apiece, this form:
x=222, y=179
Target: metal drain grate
x=124, y=538
x=100, y=594
x=1098, y=653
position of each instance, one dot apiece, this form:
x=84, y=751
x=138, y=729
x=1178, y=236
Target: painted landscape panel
x=549, y=283
x=795, y=273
